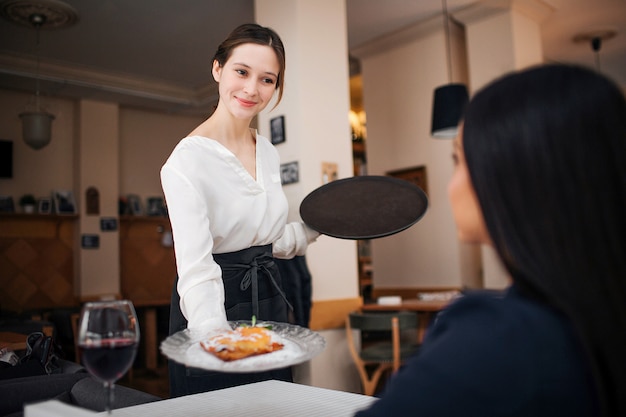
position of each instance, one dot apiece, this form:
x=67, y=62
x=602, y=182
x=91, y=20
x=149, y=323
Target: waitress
x=228, y=210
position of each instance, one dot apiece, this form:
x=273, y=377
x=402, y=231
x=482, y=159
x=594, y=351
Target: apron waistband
x=261, y=263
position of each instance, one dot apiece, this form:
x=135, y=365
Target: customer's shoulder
x=505, y=313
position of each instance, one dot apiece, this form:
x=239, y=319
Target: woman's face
x=247, y=80
x=467, y=214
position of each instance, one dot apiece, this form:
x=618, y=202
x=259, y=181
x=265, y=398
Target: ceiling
x=156, y=53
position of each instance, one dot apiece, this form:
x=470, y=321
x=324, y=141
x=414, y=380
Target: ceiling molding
x=534, y=9
x=120, y=84
x=405, y=35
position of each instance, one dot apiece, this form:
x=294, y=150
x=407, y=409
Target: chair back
x=382, y=321
x=383, y=355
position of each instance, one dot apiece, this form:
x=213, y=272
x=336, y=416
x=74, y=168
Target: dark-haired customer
x=228, y=210
x=540, y=176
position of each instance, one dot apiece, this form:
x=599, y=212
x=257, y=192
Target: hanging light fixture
x=449, y=100
x=38, y=14
x=595, y=38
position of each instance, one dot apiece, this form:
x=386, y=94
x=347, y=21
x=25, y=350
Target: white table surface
x=267, y=398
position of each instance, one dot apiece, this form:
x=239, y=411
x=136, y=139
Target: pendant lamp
x=595, y=38
x=38, y=14
x=449, y=100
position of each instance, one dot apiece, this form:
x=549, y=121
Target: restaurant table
x=425, y=309
x=13, y=340
x=267, y=398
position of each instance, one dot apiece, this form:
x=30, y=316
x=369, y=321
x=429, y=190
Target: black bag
x=42, y=349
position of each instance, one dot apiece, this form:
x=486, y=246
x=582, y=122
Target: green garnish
x=253, y=324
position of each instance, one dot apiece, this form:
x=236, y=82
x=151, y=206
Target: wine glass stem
x=110, y=394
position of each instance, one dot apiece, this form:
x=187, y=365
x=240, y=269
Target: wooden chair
x=374, y=359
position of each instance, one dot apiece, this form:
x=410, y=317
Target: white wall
x=38, y=172
x=399, y=77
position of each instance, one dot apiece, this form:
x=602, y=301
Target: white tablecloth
x=268, y=398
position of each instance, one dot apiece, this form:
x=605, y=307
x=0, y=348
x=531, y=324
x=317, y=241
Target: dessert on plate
x=242, y=342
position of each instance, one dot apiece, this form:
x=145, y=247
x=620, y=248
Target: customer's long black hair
x=546, y=152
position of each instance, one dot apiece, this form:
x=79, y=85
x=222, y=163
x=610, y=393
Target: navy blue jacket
x=492, y=355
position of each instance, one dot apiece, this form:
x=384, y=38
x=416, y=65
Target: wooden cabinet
x=37, y=256
x=147, y=266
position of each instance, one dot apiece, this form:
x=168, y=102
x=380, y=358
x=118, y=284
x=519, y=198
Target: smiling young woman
x=228, y=210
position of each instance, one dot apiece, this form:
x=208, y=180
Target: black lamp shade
x=448, y=105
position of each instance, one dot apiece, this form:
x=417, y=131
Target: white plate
x=300, y=345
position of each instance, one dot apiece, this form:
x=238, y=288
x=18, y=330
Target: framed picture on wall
x=277, y=128
x=416, y=175
x=64, y=202
x=289, y=173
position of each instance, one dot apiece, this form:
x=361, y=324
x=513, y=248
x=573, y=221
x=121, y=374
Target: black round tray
x=364, y=207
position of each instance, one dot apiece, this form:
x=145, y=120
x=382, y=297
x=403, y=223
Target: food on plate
x=242, y=342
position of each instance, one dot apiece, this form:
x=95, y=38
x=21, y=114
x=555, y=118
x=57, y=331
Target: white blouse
x=216, y=206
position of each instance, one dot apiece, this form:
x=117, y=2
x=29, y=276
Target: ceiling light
x=449, y=100
x=38, y=14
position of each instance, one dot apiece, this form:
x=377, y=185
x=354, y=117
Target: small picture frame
x=90, y=241
x=6, y=204
x=289, y=173
x=64, y=202
x=277, y=128
x=44, y=206
x=155, y=206
x=108, y=224
x=134, y=203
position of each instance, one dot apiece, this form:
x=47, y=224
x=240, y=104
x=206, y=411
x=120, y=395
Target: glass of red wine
x=108, y=336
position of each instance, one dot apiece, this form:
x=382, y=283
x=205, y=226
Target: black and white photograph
x=90, y=241
x=64, y=202
x=134, y=203
x=44, y=206
x=289, y=173
x=108, y=224
x=155, y=206
x=6, y=204
x=277, y=127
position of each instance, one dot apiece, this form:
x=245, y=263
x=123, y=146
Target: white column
x=98, y=166
x=316, y=104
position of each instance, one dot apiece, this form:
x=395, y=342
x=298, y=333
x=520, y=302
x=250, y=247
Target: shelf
x=38, y=216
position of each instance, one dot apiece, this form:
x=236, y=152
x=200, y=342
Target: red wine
x=110, y=359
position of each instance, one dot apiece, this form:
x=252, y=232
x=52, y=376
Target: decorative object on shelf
x=92, y=199
x=277, y=127
x=155, y=206
x=449, y=100
x=28, y=203
x=45, y=205
x=123, y=209
x=38, y=14
x=6, y=204
x=134, y=203
x=64, y=202
x=289, y=173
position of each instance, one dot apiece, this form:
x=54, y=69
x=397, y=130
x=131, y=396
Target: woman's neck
x=227, y=130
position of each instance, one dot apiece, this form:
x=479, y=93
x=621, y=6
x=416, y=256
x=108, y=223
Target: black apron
x=252, y=286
